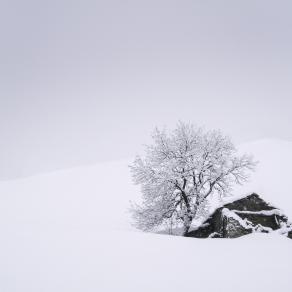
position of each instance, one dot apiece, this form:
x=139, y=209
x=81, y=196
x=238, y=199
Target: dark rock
x=241, y=217
x=232, y=228
x=271, y=221
x=252, y=202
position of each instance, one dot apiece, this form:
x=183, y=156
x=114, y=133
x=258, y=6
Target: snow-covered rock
x=241, y=217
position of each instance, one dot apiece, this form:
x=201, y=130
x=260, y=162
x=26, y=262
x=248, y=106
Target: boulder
x=241, y=217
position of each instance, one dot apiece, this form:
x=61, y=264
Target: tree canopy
x=180, y=170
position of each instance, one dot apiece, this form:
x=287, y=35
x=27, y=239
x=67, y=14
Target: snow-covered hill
x=92, y=197
x=70, y=231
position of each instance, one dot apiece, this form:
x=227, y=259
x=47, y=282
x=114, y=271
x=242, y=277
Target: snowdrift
x=70, y=231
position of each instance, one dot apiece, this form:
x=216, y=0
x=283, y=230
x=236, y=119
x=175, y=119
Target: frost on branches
x=180, y=171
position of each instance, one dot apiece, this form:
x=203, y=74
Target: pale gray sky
x=86, y=81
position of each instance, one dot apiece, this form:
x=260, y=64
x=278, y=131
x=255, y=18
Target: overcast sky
x=86, y=81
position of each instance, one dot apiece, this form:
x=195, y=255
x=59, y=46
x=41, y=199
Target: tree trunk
x=186, y=230
x=187, y=225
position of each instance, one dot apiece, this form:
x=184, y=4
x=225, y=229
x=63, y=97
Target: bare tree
x=181, y=170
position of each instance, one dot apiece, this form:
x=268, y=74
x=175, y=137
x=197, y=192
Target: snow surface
x=263, y=212
x=70, y=231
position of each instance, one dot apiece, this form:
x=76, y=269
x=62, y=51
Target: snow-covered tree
x=180, y=171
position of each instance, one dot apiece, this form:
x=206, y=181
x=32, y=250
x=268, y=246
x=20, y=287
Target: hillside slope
x=70, y=231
